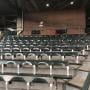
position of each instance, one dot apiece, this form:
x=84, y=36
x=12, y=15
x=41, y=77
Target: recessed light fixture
x=72, y=2
x=47, y=5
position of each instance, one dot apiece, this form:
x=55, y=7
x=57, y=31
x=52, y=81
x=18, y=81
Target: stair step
x=85, y=68
x=77, y=81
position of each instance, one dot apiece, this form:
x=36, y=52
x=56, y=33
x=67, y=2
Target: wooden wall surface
x=73, y=20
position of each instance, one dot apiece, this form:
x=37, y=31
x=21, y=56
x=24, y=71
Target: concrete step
x=77, y=82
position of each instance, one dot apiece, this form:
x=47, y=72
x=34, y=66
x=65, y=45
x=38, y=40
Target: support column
x=19, y=25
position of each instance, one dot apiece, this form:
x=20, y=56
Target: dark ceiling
x=28, y=6
x=10, y=7
x=40, y=5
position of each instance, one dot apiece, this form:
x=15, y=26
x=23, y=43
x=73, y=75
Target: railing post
x=28, y=85
x=18, y=68
x=68, y=70
x=34, y=69
x=49, y=57
x=51, y=86
x=2, y=68
x=6, y=83
x=36, y=57
x=83, y=51
x=77, y=59
x=50, y=69
x=62, y=58
x=87, y=47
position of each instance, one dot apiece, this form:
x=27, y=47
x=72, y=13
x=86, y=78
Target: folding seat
x=14, y=42
x=55, y=55
x=10, y=67
x=45, y=49
x=56, y=49
x=16, y=49
x=23, y=45
x=31, y=56
x=19, y=56
x=15, y=46
x=35, y=49
x=8, y=56
x=43, y=66
x=45, y=56
x=7, y=42
x=27, y=67
x=20, y=42
x=25, y=49
x=26, y=42
x=1, y=45
x=7, y=50
x=8, y=46
x=17, y=83
x=41, y=84
x=34, y=43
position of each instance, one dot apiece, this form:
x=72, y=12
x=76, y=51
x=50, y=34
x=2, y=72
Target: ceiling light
x=72, y=2
x=47, y=5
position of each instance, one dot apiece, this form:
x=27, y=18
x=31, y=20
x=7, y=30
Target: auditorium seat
x=19, y=56
x=10, y=67
x=55, y=55
x=31, y=56
x=8, y=56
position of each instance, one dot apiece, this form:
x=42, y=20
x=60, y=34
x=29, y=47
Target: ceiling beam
x=33, y=2
x=85, y=2
x=20, y=3
x=28, y=7
x=10, y=4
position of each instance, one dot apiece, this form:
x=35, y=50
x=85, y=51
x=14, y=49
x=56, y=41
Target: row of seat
x=50, y=78
x=30, y=48
x=55, y=43
x=22, y=51
x=28, y=80
x=17, y=57
x=35, y=65
x=68, y=36
x=44, y=43
x=42, y=56
x=21, y=44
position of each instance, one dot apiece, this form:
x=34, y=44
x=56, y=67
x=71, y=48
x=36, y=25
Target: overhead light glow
x=72, y=2
x=47, y=5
